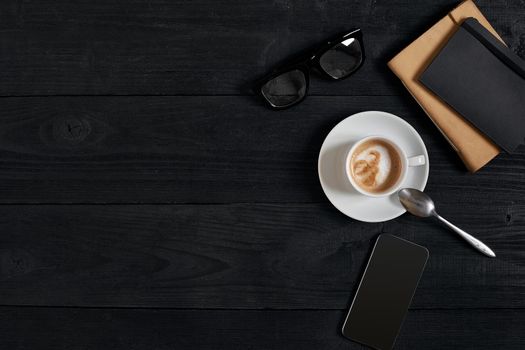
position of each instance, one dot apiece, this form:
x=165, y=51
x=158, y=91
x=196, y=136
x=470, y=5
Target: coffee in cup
x=376, y=166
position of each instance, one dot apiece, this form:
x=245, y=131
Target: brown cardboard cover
x=473, y=147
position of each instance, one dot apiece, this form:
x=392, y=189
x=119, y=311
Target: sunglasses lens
x=342, y=59
x=285, y=89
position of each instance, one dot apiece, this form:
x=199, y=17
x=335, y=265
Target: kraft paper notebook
x=483, y=80
x=472, y=146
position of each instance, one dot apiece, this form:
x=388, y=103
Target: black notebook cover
x=484, y=81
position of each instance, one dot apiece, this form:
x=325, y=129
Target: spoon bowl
x=416, y=202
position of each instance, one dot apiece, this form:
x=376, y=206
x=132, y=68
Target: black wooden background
x=148, y=201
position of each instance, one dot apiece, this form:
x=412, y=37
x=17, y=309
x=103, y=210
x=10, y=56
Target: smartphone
x=385, y=292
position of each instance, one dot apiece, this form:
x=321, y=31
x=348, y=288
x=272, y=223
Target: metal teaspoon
x=420, y=204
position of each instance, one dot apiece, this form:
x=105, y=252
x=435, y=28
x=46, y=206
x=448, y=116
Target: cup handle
x=417, y=160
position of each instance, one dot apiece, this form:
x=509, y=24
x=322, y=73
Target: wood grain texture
x=247, y=255
x=160, y=47
x=75, y=329
x=200, y=150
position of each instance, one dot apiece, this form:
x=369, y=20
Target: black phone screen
x=385, y=292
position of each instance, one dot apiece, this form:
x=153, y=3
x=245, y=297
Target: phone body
x=385, y=292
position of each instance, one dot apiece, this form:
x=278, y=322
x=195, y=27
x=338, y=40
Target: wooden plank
x=199, y=150
x=160, y=47
x=283, y=256
x=61, y=329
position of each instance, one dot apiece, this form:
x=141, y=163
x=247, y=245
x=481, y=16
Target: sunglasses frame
x=306, y=62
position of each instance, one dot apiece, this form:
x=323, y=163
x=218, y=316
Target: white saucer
x=331, y=159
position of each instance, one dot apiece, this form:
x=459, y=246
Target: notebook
x=472, y=146
x=484, y=81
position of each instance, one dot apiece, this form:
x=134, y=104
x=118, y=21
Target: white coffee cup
x=406, y=162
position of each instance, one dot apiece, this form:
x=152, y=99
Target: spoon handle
x=476, y=243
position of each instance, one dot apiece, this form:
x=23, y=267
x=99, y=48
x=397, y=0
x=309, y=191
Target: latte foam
x=375, y=166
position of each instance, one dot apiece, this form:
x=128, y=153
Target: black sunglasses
x=337, y=59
